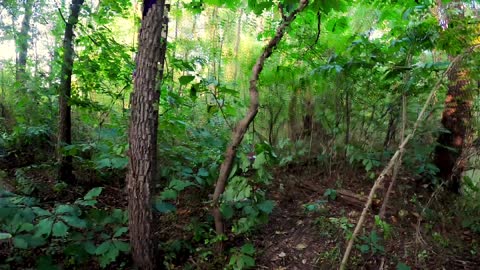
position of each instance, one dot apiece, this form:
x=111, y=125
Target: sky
x=7, y=50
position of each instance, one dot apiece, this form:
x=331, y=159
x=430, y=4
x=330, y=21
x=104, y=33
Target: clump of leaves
x=76, y=231
x=371, y=243
x=242, y=258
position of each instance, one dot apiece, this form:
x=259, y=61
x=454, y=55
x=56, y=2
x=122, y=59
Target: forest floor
x=314, y=215
x=308, y=231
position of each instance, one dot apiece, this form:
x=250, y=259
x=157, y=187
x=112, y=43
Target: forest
x=235, y=134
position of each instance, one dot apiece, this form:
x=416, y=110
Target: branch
x=319, y=24
x=393, y=160
x=242, y=126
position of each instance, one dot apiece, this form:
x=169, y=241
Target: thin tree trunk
x=242, y=126
x=22, y=41
x=142, y=136
x=65, y=90
x=237, y=46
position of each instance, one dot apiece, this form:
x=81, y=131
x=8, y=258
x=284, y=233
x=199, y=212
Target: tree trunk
x=22, y=44
x=456, y=119
x=457, y=115
x=237, y=46
x=65, y=90
x=142, y=135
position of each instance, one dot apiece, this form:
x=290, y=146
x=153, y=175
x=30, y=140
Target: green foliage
x=331, y=194
x=402, y=266
x=242, y=258
x=371, y=244
x=384, y=227
x=74, y=231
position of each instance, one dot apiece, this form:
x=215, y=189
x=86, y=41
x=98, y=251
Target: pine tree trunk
x=143, y=131
x=65, y=90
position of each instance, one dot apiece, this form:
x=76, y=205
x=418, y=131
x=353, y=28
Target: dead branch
x=391, y=163
x=396, y=169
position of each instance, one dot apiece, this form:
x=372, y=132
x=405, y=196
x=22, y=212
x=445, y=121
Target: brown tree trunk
x=22, y=44
x=65, y=90
x=142, y=135
x=456, y=120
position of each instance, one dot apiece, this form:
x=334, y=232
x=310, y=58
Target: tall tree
x=65, y=90
x=21, y=42
x=142, y=135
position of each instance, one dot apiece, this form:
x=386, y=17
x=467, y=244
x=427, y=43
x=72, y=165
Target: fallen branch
x=392, y=162
x=396, y=169
x=242, y=126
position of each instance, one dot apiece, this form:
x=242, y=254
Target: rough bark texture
x=65, y=90
x=456, y=119
x=242, y=126
x=22, y=43
x=143, y=132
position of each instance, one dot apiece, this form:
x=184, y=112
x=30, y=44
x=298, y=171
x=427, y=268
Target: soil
x=296, y=238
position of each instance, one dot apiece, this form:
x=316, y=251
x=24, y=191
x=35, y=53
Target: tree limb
x=242, y=126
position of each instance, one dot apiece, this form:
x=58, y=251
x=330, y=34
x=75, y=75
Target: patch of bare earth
x=296, y=238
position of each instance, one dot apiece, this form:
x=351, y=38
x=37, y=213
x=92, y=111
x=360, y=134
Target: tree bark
x=65, y=90
x=242, y=126
x=456, y=119
x=22, y=44
x=142, y=136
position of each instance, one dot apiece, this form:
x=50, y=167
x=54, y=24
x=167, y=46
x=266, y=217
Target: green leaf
x=119, y=163
x=248, y=249
x=40, y=212
x=266, y=206
x=248, y=261
x=164, y=207
x=260, y=160
x=89, y=247
x=75, y=222
x=120, y=231
x=227, y=211
x=44, y=227
x=67, y=209
x=402, y=266
x=93, y=193
x=330, y=194
x=364, y=248
x=104, y=247
x=186, y=79
x=26, y=227
x=45, y=263
x=122, y=246
x=179, y=185
x=4, y=236
x=60, y=229
x=203, y=172
x=109, y=257
x=20, y=242
x=168, y=194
